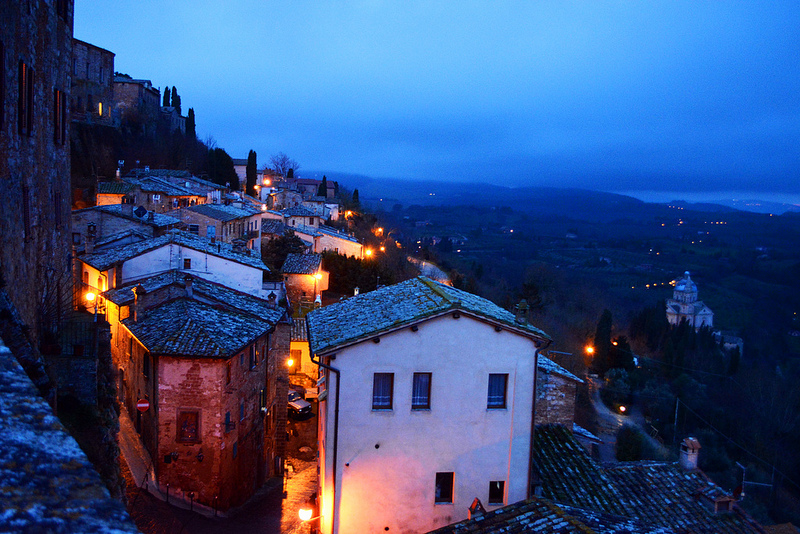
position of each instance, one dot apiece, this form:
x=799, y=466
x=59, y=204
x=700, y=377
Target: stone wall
x=92, y=83
x=555, y=399
x=35, y=160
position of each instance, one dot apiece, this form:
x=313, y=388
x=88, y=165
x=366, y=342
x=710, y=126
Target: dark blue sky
x=618, y=96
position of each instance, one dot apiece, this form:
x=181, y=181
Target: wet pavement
x=273, y=510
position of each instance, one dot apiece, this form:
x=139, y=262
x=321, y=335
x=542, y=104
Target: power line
x=718, y=431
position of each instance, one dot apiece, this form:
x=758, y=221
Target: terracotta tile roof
x=657, y=493
x=299, y=332
x=221, y=212
x=48, y=484
x=302, y=263
x=392, y=307
x=570, y=476
x=243, y=302
x=185, y=327
x=537, y=515
x=105, y=259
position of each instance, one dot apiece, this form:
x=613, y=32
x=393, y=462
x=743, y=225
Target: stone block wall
x=92, y=96
x=555, y=399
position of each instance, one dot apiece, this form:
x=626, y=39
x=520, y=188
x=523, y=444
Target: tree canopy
x=251, y=173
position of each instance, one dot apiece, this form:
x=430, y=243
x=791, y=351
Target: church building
x=684, y=305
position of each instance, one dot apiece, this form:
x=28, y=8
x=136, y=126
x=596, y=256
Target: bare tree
x=281, y=164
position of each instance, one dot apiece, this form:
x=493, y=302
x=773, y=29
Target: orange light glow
x=90, y=296
x=318, y=276
x=614, y=343
x=622, y=409
x=305, y=514
x=383, y=249
x=589, y=349
x=289, y=362
x=368, y=253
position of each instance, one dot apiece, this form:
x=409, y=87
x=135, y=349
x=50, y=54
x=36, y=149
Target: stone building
x=35, y=65
x=138, y=104
x=684, y=306
x=226, y=223
x=92, y=95
x=305, y=278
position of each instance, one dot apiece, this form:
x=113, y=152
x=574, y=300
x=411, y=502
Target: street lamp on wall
x=91, y=299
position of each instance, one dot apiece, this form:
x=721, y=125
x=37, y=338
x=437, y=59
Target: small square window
x=497, y=391
x=194, y=229
x=421, y=392
x=187, y=263
x=382, y=388
x=444, y=488
x=497, y=491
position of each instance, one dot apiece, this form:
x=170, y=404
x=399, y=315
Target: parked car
x=297, y=404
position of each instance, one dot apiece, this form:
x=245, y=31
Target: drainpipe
x=547, y=343
x=335, y=432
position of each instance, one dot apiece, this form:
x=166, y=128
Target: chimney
x=138, y=291
x=91, y=234
x=118, y=175
x=476, y=509
x=272, y=300
x=690, y=448
x=151, y=215
x=522, y=312
x=355, y=291
x=187, y=281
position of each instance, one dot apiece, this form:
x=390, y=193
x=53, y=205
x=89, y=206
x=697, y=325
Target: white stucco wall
x=220, y=270
x=393, y=485
x=344, y=247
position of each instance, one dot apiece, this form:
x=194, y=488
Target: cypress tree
x=602, y=343
x=323, y=187
x=176, y=100
x=251, y=173
x=356, y=201
x=191, y=127
x=165, y=103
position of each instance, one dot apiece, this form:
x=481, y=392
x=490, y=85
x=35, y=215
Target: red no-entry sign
x=143, y=405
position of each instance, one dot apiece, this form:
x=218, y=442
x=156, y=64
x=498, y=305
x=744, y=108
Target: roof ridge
x=434, y=287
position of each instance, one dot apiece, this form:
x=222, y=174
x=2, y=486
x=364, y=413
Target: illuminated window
x=189, y=426
x=382, y=387
x=444, y=488
x=497, y=491
x=421, y=392
x=497, y=391
x=100, y=108
x=25, y=107
x=187, y=263
x=156, y=198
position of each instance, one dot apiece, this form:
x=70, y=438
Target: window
x=228, y=372
x=156, y=198
x=241, y=411
x=497, y=391
x=235, y=449
x=229, y=425
x=25, y=108
x=194, y=229
x=382, y=386
x=187, y=263
x=211, y=230
x=421, y=392
x=497, y=491
x=189, y=426
x=444, y=488
x=253, y=357
x=59, y=117
x=146, y=365
x=61, y=9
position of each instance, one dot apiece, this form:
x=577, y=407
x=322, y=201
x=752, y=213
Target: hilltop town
x=190, y=338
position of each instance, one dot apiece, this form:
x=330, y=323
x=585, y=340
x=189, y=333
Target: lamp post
x=92, y=299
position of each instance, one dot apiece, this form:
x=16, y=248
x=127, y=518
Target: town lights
x=622, y=409
x=589, y=350
x=368, y=252
x=289, y=362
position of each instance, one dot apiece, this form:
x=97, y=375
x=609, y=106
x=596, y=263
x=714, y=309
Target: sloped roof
x=537, y=515
x=159, y=219
x=298, y=211
x=301, y=263
x=159, y=172
x=186, y=327
x=334, y=233
x=657, y=493
x=392, y=307
x=299, y=332
x=549, y=366
x=221, y=212
x=272, y=226
x=241, y=301
x=106, y=259
x=115, y=188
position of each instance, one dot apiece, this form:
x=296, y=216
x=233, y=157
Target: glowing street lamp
x=589, y=350
x=368, y=252
x=622, y=409
x=91, y=298
x=305, y=514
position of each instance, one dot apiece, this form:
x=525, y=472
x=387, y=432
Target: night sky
x=616, y=96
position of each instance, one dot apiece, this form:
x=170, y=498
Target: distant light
x=368, y=252
x=614, y=343
x=383, y=249
x=589, y=349
x=622, y=409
